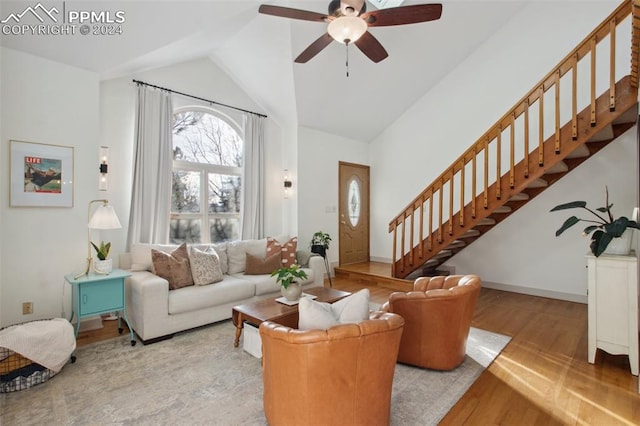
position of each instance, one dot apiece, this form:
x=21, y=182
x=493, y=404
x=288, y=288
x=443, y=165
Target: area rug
x=199, y=378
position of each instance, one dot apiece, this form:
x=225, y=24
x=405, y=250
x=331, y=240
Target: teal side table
x=95, y=294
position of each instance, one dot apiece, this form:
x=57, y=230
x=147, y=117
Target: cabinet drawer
x=101, y=296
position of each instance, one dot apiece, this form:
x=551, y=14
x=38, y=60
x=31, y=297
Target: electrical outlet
x=27, y=308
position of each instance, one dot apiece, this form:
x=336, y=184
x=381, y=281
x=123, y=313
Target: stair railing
x=454, y=194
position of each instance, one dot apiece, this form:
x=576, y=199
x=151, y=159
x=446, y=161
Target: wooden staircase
x=465, y=202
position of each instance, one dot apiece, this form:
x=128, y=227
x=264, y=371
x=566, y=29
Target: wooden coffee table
x=269, y=310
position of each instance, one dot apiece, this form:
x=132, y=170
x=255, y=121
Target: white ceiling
x=258, y=52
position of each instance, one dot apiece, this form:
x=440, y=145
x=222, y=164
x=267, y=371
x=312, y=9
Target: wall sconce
x=287, y=184
x=104, y=155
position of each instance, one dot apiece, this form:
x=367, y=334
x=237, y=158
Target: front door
x=353, y=211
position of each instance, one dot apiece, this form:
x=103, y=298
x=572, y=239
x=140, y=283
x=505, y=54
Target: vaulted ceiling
x=258, y=52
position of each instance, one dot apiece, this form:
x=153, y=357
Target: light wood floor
x=541, y=378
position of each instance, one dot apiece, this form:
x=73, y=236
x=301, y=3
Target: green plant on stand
x=604, y=227
x=319, y=245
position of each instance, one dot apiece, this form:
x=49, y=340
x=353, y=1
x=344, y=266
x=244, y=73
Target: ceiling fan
x=348, y=23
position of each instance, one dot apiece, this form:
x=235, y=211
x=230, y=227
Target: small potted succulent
x=320, y=243
x=288, y=277
x=607, y=231
x=103, y=265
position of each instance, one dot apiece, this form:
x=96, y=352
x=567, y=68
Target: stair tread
x=456, y=244
x=603, y=135
x=486, y=221
x=503, y=210
x=629, y=116
x=443, y=253
x=470, y=233
x=523, y=196
x=560, y=167
x=538, y=183
x=580, y=152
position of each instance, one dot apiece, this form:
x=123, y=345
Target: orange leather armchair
x=437, y=316
x=342, y=375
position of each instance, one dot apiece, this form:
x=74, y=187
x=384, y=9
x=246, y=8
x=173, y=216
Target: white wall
x=454, y=114
x=318, y=156
x=45, y=102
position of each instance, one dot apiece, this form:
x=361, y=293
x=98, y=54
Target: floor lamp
x=104, y=217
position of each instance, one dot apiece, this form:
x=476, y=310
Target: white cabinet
x=613, y=306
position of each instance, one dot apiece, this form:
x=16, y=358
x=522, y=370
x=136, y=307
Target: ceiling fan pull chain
x=347, y=47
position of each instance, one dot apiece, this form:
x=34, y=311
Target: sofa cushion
x=141, y=255
x=266, y=284
x=173, y=267
x=205, y=266
x=319, y=315
x=258, y=266
x=286, y=250
x=237, y=250
x=221, y=249
x=231, y=290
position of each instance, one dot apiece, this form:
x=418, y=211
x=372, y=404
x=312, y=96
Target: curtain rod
x=198, y=98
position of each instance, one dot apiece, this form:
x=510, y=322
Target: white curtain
x=151, y=193
x=252, y=216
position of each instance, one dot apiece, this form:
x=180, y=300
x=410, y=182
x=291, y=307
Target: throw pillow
x=287, y=250
x=205, y=266
x=257, y=266
x=173, y=267
x=303, y=256
x=319, y=315
x=237, y=250
x=221, y=249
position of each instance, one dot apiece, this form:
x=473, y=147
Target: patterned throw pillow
x=258, y=266
x=205, y=266
x=287, y=250
x=173, y=267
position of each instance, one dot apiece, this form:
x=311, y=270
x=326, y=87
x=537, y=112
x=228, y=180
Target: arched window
x=207, y=170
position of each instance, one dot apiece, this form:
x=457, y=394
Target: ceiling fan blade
x=287, y=12
x=314, y=48
x=403, y=15
x=370, y=46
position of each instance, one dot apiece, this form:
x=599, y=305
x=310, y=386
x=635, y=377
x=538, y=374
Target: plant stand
x=326, y=265
x=320, y=250
x=613, y=306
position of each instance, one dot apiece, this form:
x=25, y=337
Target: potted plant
x=320, y=243
x=103, y=265
x=288, y=277
x=604, y=227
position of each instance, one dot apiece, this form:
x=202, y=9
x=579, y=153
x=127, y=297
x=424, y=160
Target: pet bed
x=33, y=352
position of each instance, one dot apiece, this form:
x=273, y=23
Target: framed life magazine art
x=41, y=175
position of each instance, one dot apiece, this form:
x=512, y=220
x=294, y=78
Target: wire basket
x=19, y=373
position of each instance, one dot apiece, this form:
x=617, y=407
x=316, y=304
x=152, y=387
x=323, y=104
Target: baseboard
x=536, y=292
x=380, y=259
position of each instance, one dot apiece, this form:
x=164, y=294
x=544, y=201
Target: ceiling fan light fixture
x=347, y=29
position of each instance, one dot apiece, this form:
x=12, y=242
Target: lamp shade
x=347, y=29
x=104, y=218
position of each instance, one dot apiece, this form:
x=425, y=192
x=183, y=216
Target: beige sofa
x=155, y=312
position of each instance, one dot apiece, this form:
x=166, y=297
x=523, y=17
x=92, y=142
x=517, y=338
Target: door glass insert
x=354, y=202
